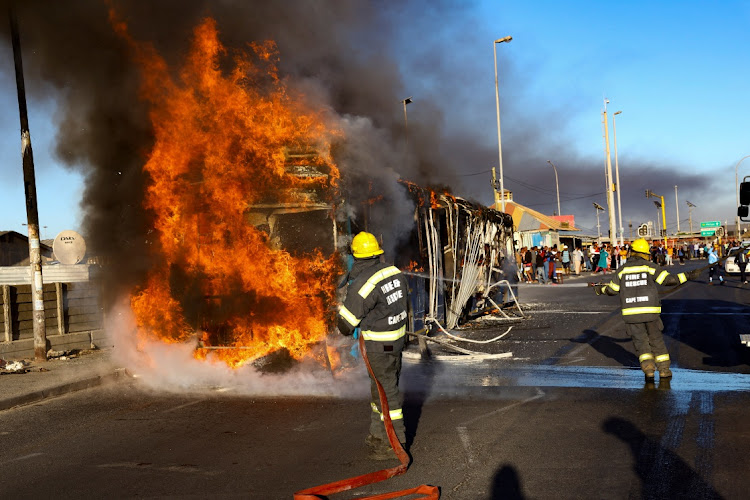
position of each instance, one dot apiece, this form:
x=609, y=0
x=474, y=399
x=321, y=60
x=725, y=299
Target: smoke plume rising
x=347, y=56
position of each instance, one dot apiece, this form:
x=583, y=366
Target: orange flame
x=414, y=266
x=220, y=144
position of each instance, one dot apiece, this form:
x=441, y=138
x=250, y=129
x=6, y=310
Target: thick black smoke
x=337, y=52
x=346, y=55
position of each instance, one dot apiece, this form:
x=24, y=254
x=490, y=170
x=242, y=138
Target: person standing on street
x=716, y=268
x=741, y=260
x=565, y=259
x=541, y=275
x=635, y=282
x=603, y=261
x=376, y=302
x=594, y=255
x=577, y=260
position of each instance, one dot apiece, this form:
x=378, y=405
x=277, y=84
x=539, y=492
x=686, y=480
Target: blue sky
x=677, y=70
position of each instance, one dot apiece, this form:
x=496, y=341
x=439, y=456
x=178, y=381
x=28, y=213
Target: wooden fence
x=68, y=308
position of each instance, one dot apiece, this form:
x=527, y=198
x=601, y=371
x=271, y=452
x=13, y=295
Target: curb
x=60, y=390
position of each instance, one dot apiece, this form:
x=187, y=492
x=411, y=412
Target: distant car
x=730, y=266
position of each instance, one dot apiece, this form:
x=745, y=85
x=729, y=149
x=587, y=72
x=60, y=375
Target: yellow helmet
x=641, y=246
x=364, y=245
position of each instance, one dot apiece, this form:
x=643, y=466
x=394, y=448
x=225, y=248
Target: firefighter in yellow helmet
x=635, y=282
x=376, y=302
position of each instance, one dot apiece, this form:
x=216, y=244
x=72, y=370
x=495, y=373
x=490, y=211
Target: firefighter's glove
x=344, y=327
x=599, y=289
x=694, y=274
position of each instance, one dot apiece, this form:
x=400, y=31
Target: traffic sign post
x=711, y=223
x=708, y=232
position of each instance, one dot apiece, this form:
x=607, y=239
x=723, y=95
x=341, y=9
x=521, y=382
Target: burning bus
x=251, y=225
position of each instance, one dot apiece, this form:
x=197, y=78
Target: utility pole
x=610, y=184
x=494, y=190
x=32, y=214
x=598, y=208
x=677, y=205
x=690, y=215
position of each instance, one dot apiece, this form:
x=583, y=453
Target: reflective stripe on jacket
x=376, y=301
x=635, y=282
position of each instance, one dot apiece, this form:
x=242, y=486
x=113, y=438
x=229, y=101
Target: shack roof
x=527, y=219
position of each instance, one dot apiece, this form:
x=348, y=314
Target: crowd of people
x=549, y=265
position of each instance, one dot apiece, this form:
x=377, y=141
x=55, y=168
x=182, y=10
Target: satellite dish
x=69, y=247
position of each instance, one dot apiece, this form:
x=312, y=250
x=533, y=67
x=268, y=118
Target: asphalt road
x=566, y=415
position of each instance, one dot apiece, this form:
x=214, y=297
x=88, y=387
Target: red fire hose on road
x=427, y=492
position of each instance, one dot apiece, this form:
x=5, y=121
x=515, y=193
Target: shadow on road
x=506, y=484
x=662, y=472
x=416, y=393
x=711, y=327
x=609, y=346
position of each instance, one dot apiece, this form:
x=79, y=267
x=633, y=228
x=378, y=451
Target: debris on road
x=12, y=367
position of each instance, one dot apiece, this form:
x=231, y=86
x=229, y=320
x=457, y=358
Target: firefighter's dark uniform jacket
x=635, y=282
x=376, y=302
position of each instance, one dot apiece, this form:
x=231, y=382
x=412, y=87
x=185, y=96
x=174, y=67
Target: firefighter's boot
x=649, y=368
x=373, y=442
x=382, y=451
x=664, y=371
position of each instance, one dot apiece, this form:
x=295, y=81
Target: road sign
x=711, y=223
x=708, y=232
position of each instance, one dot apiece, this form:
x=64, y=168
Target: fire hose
x=427, y=492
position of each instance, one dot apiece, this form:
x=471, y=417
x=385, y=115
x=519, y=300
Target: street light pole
x=617, y=177
x=610, y=186
x=406, y=124
x=497, y=106
x=737, y=192
x=557, y=186
x=677, y=206
x=651, y=194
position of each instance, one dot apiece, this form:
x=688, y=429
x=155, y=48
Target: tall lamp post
x=658, y=211
x=598, y=208
x=497, y=106
x=677, y=207
x=557, y=186
x=651, y=194
x=617, y=177
x=737, y=191
x=406, y=101
x=610, y=184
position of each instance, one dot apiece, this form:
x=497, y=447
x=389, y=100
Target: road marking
x=715, y=313
x=706, y=313
x=191, y=403
x=560, y=311
x=463, y=432
x=25, y=457
x=574, y=360
x=182, y=468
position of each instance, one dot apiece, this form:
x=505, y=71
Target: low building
x=533, y=228
x=14, y=249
